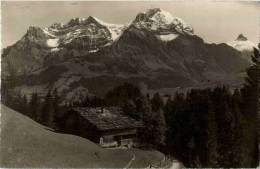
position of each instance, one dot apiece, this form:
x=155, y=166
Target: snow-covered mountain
x=166, y=26
x=155, y=49
x=162, y=22
x=242, y=44
x=47, y=46
x=90, y=32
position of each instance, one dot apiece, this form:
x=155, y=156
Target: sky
x=215, y=22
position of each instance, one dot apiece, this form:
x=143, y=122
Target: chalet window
x=117, y=138
x=108, y=139
x=128, y=136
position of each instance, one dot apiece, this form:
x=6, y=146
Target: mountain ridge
x=155, y=49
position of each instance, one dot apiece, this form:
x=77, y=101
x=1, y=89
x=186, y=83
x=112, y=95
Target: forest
x=201, y=128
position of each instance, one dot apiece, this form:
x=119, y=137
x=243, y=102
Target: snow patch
x=53, y=42
x=163, y=16
x=114, y=29
x=93, y=51
x=82, y=19
x=55, y=49
x=67, y=38
x=168, y=37
x=47, y=32
x=242, y=45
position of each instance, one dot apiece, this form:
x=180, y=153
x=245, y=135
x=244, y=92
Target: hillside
x=25, y=143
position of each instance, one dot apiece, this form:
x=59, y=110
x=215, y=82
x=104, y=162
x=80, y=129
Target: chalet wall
x=119, y=132
x=73, y=123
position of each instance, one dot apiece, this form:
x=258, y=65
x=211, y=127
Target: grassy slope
x=25, y=143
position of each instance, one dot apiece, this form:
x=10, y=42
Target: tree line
x=42, y=109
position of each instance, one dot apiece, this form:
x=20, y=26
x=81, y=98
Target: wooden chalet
x=108, y=126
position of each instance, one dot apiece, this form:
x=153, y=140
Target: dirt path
x=130, y=162
x=175, y=165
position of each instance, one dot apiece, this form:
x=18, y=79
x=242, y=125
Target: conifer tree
x=70, y=105
x=35, y=107
x=130, y=109
x=212, y=141
x=56, y=107
x=18, y=105
x=86, y=102
x=25, y=105
x=147, y=116
x=47, y=110
x=159, y=128
x=157, y=102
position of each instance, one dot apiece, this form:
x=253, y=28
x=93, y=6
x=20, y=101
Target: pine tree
x=147, y=133
x=192, y=146
x=212, y=141
x=159, y=128
x=56, y=107
x=70, y=105
x=18, y=105
x=157, y=102
x=86, y=102
x=47, y=110
x=25, y=105
x=130, y=109
x=34, y=107
x=173, y=108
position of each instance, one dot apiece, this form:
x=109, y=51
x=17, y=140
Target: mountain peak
x=158, y=19
x=56, y=25
x=83, y=21
x=242, y=44
x=93, y=19
x=241, y=37
x=151, y=12
x=73, y=22
x=154, y=14
x=35, y=32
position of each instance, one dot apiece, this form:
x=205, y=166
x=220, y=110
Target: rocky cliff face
x=155, y=49
x=27, y=54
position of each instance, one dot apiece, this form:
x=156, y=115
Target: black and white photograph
x=130, y=84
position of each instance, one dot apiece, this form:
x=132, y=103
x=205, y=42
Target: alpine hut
x=108, y=126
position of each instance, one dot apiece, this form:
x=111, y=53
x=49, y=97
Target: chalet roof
x=109, y=118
